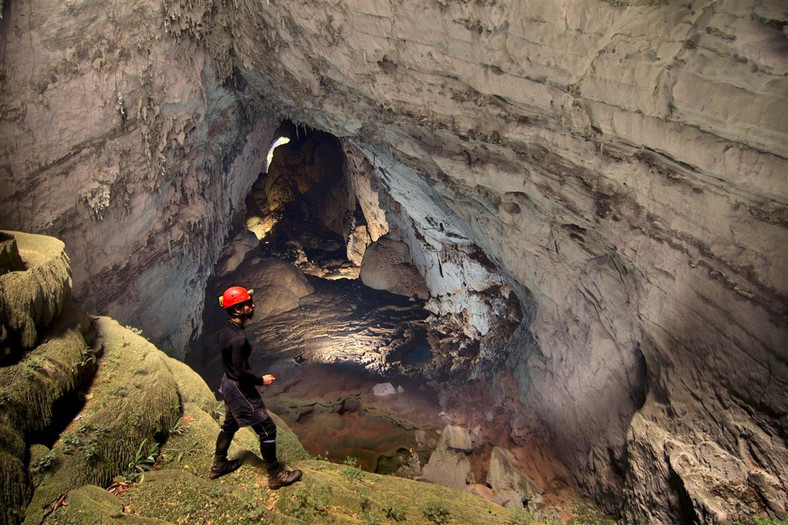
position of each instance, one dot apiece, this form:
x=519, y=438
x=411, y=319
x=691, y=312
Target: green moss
x=289, y=448
x=178, y=488
x=14, y=485
x=92, y=505
x=30, y=300
x=30, y=389
x=105, y=438
x=191, y=387
x=32, y=386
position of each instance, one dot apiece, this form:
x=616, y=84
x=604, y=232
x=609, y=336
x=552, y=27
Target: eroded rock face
x=617, y=169
x=617, y=162
x=122, y=135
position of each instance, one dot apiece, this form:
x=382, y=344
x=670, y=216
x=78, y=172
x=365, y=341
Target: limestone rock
x=136, y=397
x=244, y=245
x=357, y=243
x=9, y=254
x=713, y=483
x=130, y=150
x=383, y=390
x=457, y=438
x=511, y=488
x=360, y=172
x=278, y=286
x=448, y=468
x=449, y=464
x=387, y=266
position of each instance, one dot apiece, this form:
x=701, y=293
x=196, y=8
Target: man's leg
x=276, y=478
x=221, y=465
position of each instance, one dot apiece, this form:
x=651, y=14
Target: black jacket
x=235, y=355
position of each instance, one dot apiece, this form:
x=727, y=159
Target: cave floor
x=330, y=352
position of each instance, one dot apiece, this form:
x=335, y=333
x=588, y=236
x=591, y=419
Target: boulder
x=449, y=464
x=278, y=285
x=387, y=266
x=31, y=299
x=383, y=390
x=242, y=246
x=457, y=438
x=512, y=489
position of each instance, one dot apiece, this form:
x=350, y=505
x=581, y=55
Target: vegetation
x=351, y=470
x=437, y=512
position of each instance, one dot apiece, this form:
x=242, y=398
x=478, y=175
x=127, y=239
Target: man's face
x=248, y=308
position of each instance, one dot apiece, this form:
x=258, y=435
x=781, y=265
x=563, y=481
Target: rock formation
x=594, y=191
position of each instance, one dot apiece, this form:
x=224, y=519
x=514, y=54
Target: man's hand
x=268, y=379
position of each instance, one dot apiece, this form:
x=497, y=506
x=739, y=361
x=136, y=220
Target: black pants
x=265, y=430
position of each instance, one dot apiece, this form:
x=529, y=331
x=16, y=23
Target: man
x=242, y=403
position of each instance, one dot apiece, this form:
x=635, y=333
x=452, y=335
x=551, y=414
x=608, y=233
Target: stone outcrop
x=511, y=488
x=134, y=398
x=607, y=178
x=449, y=464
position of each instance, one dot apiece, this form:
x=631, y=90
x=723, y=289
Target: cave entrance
x=347, y=357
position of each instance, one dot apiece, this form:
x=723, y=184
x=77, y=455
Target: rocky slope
x=617, y=167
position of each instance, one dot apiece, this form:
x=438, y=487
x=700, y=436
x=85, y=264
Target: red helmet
x=235, y=295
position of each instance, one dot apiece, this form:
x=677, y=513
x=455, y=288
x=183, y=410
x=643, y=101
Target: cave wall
x=625, y=164
x=125, y=135
x=620, y=165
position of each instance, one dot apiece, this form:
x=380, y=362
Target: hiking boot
x=283, y=478
x=223, y=466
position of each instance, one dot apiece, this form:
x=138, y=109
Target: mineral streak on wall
x=621, y=164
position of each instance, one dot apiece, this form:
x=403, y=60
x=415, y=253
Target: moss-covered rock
x=191, y=387
x=133, y=400
x=29, y=393
x=30, y=388
x=30, y=300
x=14, y=486
x=92, y=505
